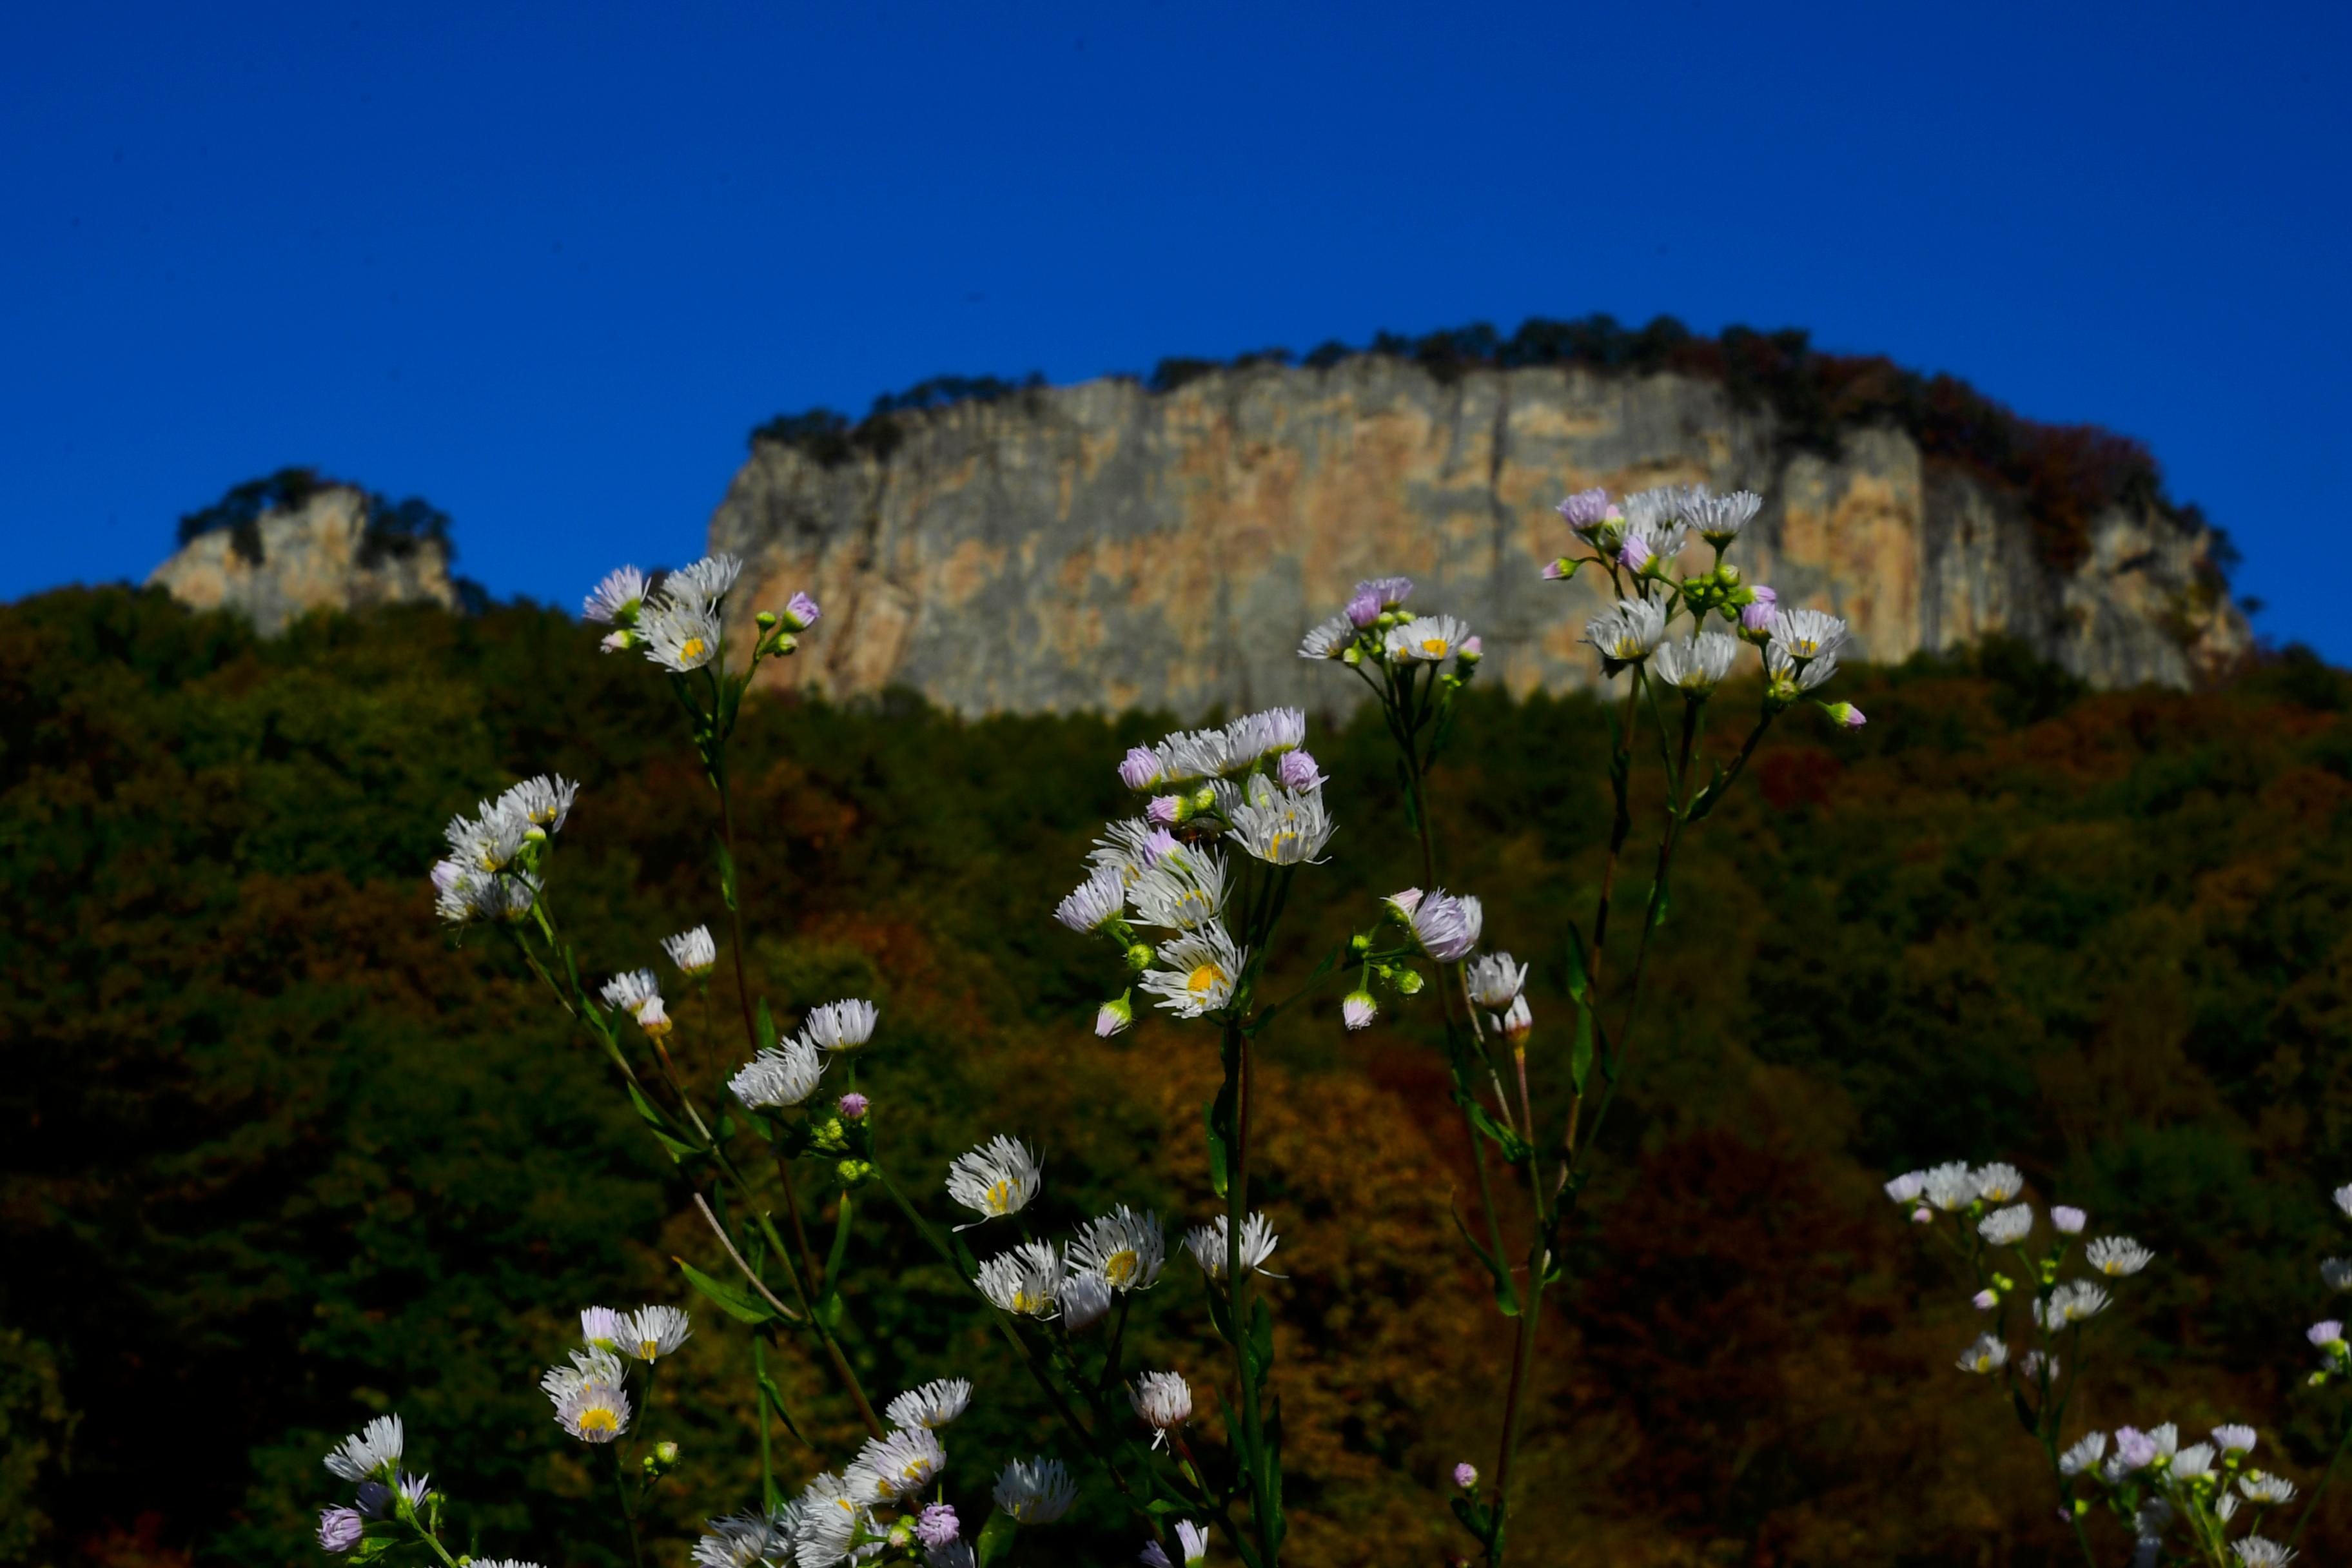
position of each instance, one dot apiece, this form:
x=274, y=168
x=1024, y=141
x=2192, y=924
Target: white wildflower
x=1328, y=639
x=1280, y=826
x=1036, y=1491
x=1164, y=1401
x=1788, y=678
x=1988, y=1354
x=900, y=1465
x=933, y=1405
x=680, y=637
x=2117, y=1256
x=1181, y=891
x=594, y=1365
x=744, y=1540
x=371, y=1453
x=2234, y=1438
x=2075, y=1301
x=832, y=1515
x=1085, y=1299
x=996, y=1179
x=1094, y=903
x=650, y=1332
x=544, y=802
x=1998, y=1184
x=2005, y=1227
x=2271, y=1491
x=693, y=951
x=1257, y=736
x=1123, y=1248
x=1425, y=640
x=1206, y=1243
x=1905, y=1189
x=1695, y=666
x=1808, y=634
x=595, y=1412
x=2086, y=1453
x=1027, y=1279
x=1719, y=518
x=1494, y=980
x=616, y=599
x=780, y=1075
x=1626, y=632
x=2261, y=1552
x=1202, y=968
x=1446, y=927
x=704, y=582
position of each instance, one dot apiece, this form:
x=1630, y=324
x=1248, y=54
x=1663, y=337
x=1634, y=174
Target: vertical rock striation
x=318, y=556
x=1101, y=546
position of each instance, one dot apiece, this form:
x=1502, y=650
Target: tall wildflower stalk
x=1414, y=667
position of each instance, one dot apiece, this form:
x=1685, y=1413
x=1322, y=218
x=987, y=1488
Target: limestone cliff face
x=1102, y=546
x=315, y=556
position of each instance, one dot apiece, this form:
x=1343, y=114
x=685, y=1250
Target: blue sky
x=546, y=265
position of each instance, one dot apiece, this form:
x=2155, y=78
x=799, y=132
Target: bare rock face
x=1100, y=546
x=315, y=556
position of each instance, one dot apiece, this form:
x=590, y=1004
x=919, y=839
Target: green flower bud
x=852, y=1173
x=765, y=620
x=1139, y=957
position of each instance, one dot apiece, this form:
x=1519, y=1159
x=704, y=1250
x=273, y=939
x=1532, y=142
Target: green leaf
x=653, y=1114
x=996, y=1536
x=767, y=1023
x=736, y=1300
x=1219, y=1317
x=840, y=1245
x=1579, y=980
x=775, y=1399
x=726, y=871
x=1516, y=1149
x=829, y=1308
x=1261, y=1336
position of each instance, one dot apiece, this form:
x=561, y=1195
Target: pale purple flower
x=339, y=1529
x=1585, y=508
x=1297, y=770
x=1465, y=1474
x=1141, y=768
x=937, y=1525
x=2327, y=1335
x=1906, y=1188
x=1389, y=591
x=1846, y=714
x=2135, y=1449
x=413, y=1488
x=1472, y=650
x=373, y=1499
x=1758, y=616
x=1635, y=554
x=1364, y=608
x=1357, y=1010
x=2067, y=1221
x=1114, y=1015
x=1157, y=844
x=852, y=1105
x=1556, y=569
x=1163, y=809
x=1446, y=927
x=1985, y=1301
x=802, y=612
x=616, y=599
x=1923, y=1216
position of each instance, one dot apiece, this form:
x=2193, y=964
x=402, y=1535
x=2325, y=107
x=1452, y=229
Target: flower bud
x=852, y=1173
x=652, y=1018
x=1517, y=1022
x=853, y=1105
x=1297, y=770
x=1167, y=810
x=1139, y=957
x=662, y=1459
x=1985, y=1301
x=2068, y=1221
x=1465, y=1475
x=1923, y=1216
x=1471, y=651
x=1358, y=1009
x=802, y=613
x=1406, y=981
x=1561, y=570
x=1845, y=714
x=783, y=642
x=1365, y=607
x=1139, y=769
x=765, y=620
x=1116, y=1014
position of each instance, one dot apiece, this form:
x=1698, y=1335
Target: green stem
x=2320, y=1490
x=1237, y=1278
x=621, y=1491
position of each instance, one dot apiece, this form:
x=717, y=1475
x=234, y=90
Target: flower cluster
x=492, y=871
x=785, y=1074
x=1375, y=632
x=390, y=1507
x=676, y=617
x=1248, y=786
x=591, y=1393
x=2153, y=1482
x=1639, y=545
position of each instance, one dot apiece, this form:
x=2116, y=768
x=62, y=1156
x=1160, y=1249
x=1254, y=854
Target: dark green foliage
x=275, y=1159
x=831, y=438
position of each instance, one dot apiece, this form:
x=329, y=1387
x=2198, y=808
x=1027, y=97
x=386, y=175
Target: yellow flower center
x=648, y=1349
x=1433, y=647
x=999, y=1197
x=1024, y=1300
x=1120, y=1267
x=691, y=648
x=1203, y=980
x=600, y=1418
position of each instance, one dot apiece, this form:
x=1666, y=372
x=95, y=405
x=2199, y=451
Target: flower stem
x=2320, y=1490
x=628, y=1515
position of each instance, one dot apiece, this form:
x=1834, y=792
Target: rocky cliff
x=319, y=554
x=1104, y=545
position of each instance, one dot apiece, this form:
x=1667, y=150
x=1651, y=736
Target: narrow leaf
x=737, y=1301
x=996, y=1537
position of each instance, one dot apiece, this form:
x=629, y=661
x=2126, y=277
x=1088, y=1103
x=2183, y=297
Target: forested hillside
x=273, y=1157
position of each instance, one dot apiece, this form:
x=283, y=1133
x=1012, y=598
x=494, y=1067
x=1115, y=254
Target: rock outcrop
x=1101, y=546
x=320, y=554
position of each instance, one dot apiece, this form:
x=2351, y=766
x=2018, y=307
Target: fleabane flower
x=693, y=951
x=2195, y=1460
x=937, y=1526
x=1986, y=1356
x=1695, y=666
x=1191, y=1539
x=2326, y=1335
x=2269, y=1490
x=680, y=637
x=1036, y=1491
x=2075, y=1301
x=1906, y=1188
x=544, y=802
x=2343, y=1196
x=1584, y=510
x=1280, y=826
x=1786, y=679
x=996, y=1179
x=933, y=1405
x=2234, y=1438
x=1115, y=1015
x=1183, y=891
x=900, y=1465
x=489, y=841
x=651, y=1332
x=1808, y=634
x=1123, y=1248
x=2117, y=1256
x=1254, y=737
x=704, y=582
x=1358, y=1009
x=1446, y=927
x=1388, y=593
x=614, y=600
x=1426, y=640
x=2007, y=1227
x=1094, y=903
x=1494, y=981
x=2259, y=1551
x=831, y=1514
x=1085, y=1299
x=372, y=1452
x=1164, y=1401
x=1206, y=1243
x=596, y=1364
x=1027, y=1279
x=1950, y=1186
x=840, y=1025
x=1141, y=768
x=600, y=1328
x=631, y=990
x=2067, y=1221
x=744, y=1540
x=1202, y=969
x=779, y=1076
x=1296, y=770
x=339, y=1529
x=802, y=611
x=1626, y=633
x=1328, y=639
x=1719, y=518
x=595, y=1412
x=2086, y=1453
x=1998, y=1184
x=2335, y=1273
